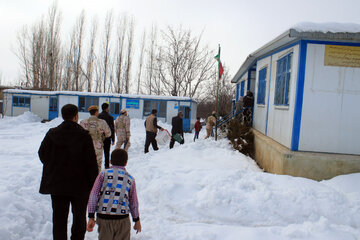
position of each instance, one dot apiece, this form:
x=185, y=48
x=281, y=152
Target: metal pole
x=217, y=108
x=217, y=96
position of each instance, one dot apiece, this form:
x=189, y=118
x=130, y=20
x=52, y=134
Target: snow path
x=200, y=190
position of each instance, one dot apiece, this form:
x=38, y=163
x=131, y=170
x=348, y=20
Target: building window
x=237, y=92
x=132, y=103
x=21, y=101
x=160, y=106
x=86, y=102
x=53, y=104
x=261, y=86
x=242, y=88
x=282, y=83
x=115, y=108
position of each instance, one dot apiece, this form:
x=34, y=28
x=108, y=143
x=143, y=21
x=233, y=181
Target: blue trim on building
x=49, y=108
x=268, y=100
x=11, y=105
x=279, y=50
x=331, y=43
x=249, y=80
x=295, y=138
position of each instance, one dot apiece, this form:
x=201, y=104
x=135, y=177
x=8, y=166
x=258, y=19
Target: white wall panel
x=260, y=110
x=330, y=106
x=280, y=119
x=40, y=105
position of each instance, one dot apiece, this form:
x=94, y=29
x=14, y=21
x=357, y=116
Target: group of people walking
x=71, y=155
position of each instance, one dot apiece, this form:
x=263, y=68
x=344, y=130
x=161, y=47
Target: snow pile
x=27, y=117
x=333, y=27
x=199, y=190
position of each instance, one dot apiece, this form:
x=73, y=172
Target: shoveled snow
x=333, y=27
x=200, y=190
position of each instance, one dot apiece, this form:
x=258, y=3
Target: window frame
x=282, y=80
x=155, y=104
x=261, y=87
x=25, y=103
x=52, y=106
x=242, y=88
x=113, y=107
x=88, y=101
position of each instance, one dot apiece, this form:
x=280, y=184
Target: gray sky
x=239, y=26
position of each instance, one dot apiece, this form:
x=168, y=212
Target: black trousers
x=150, y=138
x=60, y=206
x=107, y=144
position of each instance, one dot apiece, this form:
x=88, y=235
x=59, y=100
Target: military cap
x=93, y=107
x=123, y=111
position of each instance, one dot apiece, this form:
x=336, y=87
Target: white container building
x=48, y=104
x=306, y=86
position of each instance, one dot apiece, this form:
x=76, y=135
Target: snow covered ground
x=200, y=190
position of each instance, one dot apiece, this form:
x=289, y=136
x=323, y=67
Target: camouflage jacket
x=122, y=126
x=98, y=129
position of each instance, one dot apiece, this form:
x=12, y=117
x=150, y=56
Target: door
x=186, y=118
x=53, y=108
x=115, y=109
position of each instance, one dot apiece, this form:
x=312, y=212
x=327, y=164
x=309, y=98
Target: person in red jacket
x=197, y=127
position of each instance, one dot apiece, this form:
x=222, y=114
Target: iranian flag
x=221, y=69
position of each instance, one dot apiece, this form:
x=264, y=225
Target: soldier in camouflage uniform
x=99, y=130
x=122, y=129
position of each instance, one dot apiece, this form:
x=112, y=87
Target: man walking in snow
x=99, y=130
x=210, y=123
x=177, y=128
x=69, y=171
x=151, y=131
x=109, y=140
x=122, y=128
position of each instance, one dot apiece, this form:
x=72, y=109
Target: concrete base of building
x=276, y=158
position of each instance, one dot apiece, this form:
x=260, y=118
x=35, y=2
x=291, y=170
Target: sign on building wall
x=132, y=103
x=342, y=56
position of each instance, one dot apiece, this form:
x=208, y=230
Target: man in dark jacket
x=69, y=171
x=177, y=128
x=110, y=140
x=248, y=107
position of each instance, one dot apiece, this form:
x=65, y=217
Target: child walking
x=113, y=197
x=197, y=127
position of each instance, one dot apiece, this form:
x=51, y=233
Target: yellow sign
x=342, y=56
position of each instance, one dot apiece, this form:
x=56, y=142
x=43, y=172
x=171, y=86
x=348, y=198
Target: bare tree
x=106, y=50
x=53, y=44
x=39, y=50
x=141, y=61
x=91, y=56
x=184, y=65
x=151, y=58
x=22, y=52
x=119, y=58
x=130, y=40
x=77, y=46
x=225, y=95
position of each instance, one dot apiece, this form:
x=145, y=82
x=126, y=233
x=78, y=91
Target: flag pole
x=217, y=97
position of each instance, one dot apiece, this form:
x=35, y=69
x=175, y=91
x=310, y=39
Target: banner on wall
x=342, y=56
x=132, y=103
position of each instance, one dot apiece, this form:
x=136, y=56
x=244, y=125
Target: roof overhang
x=289, y=37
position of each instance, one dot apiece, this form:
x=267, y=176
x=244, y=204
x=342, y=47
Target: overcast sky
x=239, y=26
